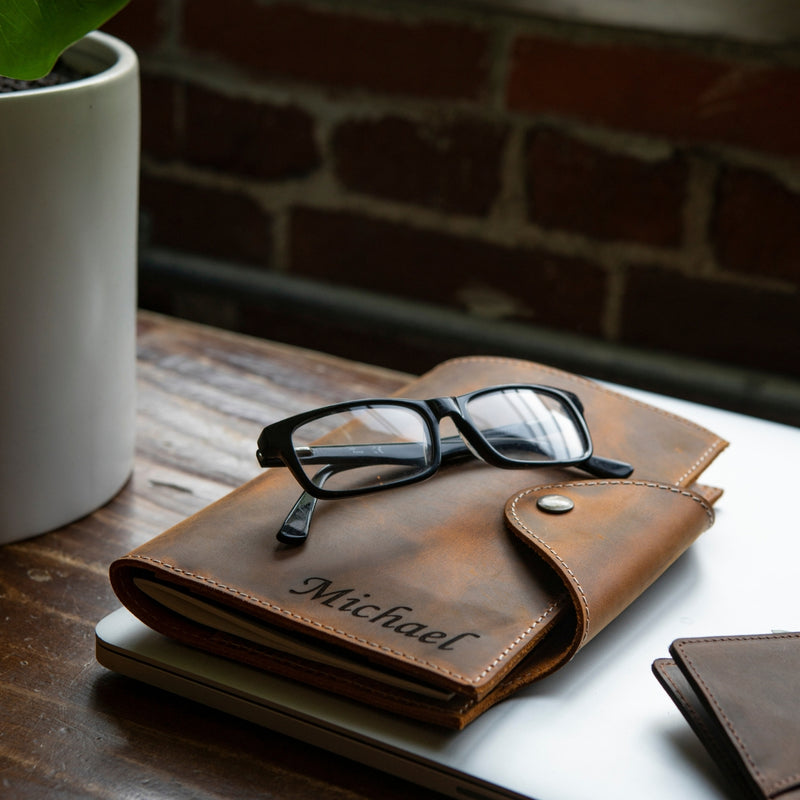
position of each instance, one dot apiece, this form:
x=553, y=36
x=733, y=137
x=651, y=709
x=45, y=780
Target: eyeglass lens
x=379, y=444
x=526, y=425
x=371, y=445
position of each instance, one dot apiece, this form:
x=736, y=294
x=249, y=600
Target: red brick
x=140, y=24
x=577, y=187
x=663, y=91
x=206, y=221
x=452, y=166
x=427, y=58
x=740, y=325
x=756, y=225
x=243, y=137
x=399, y=260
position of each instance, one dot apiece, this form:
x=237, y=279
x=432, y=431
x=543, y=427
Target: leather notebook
x=438, y=599
x=741, y=696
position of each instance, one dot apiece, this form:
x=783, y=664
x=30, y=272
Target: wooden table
x=69, y=728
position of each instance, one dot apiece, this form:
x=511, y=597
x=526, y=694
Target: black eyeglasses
x=372, y=445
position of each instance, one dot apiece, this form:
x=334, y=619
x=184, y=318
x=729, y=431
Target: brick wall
x=629, y=187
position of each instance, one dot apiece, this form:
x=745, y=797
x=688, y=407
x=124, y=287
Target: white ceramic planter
x=69, y=163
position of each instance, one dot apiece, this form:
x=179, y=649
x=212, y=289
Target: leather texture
x=741, y=695
x=618, y=538
x=449, y=581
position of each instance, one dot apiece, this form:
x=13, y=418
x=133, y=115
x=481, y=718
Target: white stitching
x=519, y=639
x=522, y=364
x=695, y=470
x=563, y=563
x=646, y=484
x=777, y=785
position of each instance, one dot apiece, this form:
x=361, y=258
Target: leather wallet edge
x=699, y=686
x=680, y=691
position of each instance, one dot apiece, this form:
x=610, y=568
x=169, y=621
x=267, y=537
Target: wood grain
x=69, y=728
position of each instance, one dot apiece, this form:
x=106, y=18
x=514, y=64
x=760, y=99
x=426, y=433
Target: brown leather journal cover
x=459, y=586
x=741, y=695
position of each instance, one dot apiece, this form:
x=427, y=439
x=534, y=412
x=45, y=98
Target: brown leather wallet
x=741, y=696
x=438, y=599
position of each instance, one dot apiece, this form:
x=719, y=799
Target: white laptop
x=602, y=727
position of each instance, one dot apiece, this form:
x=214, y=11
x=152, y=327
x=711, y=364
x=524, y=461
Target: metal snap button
x=555, y=504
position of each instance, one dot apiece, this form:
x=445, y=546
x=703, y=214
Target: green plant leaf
x=34, y=33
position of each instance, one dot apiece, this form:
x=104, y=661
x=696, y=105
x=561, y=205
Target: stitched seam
x=728, y=722
x=694, y=469
x=668, y=487
x=519, y=640
x=644, y=484
x=360, y=640
x=561, y=561
x=686, y=704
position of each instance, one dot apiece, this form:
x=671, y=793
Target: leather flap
x=615, y=539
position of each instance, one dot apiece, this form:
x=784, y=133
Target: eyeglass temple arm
x=606, y=467
x=350, y=456
x=347, y=457
x=296, y=526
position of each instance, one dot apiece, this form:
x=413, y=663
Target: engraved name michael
x=396, y=618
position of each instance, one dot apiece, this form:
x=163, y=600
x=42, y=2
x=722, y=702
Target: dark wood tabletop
x=71, y=729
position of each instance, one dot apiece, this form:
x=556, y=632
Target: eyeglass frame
x=275, y=446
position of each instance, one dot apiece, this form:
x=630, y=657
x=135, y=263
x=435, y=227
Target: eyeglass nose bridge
x=449, y=407
x=444, y=407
